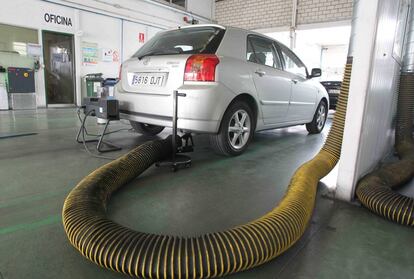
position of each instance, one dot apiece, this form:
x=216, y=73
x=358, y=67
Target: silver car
x=236, y=82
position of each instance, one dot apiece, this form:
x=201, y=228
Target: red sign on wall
x=141, y=37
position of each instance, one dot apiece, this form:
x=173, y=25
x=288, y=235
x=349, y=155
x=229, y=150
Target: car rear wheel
x=146, y=129
x=319, y=119
x=236, y=130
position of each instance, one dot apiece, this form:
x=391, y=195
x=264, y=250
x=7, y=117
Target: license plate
x=148, y=79
x=335, y=91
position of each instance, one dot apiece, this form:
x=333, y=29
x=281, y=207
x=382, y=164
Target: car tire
x=146, y=129
x=236, y=130
x=319, y=119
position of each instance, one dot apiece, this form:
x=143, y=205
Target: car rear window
x=205, y=40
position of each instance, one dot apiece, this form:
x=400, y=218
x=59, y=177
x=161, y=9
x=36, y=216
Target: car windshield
x=204, y=40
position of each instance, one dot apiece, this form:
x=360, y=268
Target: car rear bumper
x=190, y=125
x=200, y=111
x=333, y=100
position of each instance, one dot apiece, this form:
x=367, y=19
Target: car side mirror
x=316, y=72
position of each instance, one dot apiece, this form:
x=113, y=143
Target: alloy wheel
x=321, y=117
x=239, y=129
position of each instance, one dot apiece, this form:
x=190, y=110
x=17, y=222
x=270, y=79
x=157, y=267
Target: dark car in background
x=333, y=88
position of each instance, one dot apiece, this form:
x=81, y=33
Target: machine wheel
x=319, y=119
x=146, y=129
x=236, y=130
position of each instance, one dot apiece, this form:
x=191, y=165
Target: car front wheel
x=319, y=119
x=146, y=129
x=236, y=130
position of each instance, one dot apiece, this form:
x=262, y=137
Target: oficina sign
x=57, y=19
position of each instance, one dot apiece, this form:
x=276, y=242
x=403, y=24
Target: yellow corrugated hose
x=376, y=190
x=211, y=255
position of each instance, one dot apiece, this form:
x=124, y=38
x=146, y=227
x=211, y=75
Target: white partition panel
x=201, y=7
x=369, y=126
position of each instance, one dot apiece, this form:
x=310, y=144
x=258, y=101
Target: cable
x=83, y=129
x=108, y=133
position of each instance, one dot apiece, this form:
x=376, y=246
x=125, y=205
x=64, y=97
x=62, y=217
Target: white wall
x=322, y=46
x=107, y=34
x=151, y=31
x=147, y=11
x=130, y=35
x=333, y=61
x=109, y=24
x=309, y=53
x=281, y=36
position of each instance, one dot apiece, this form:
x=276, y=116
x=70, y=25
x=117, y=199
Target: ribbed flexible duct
x=375, y=191
x=212, y=255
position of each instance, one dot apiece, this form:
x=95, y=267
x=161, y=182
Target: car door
x=273, y=85
x=304, y=93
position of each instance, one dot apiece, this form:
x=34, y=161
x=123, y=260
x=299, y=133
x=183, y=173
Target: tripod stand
x=177, y=161
x=100, y=139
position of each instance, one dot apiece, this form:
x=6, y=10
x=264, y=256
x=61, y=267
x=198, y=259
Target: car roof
x=248, y=32
x=201, y=25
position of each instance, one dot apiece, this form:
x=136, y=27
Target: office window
x=15, y=39
x=181, y=3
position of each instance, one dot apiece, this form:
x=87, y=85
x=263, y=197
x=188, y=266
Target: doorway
x=59, y=68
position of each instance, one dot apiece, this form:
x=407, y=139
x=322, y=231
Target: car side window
x=261, y=51
x=292, y=63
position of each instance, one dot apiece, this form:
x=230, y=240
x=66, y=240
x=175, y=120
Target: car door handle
x=295, y=81
x=260, y=72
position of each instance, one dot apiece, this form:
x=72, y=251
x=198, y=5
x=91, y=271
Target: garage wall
x=325, y=48
x=108, y=24
x=278, y=13
x=254, y=14
x=333, y=61
x=151, y=31
x=130, y=34
x=317, y=11
x=147, y=11
x=110, y=39
x=309, y=53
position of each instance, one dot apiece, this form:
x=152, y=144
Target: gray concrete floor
x=38, y=171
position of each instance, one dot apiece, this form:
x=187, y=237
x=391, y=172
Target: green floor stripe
x=54, y=219
x=33, y=198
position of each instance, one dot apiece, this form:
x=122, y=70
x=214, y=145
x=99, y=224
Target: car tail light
x=201, y=67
